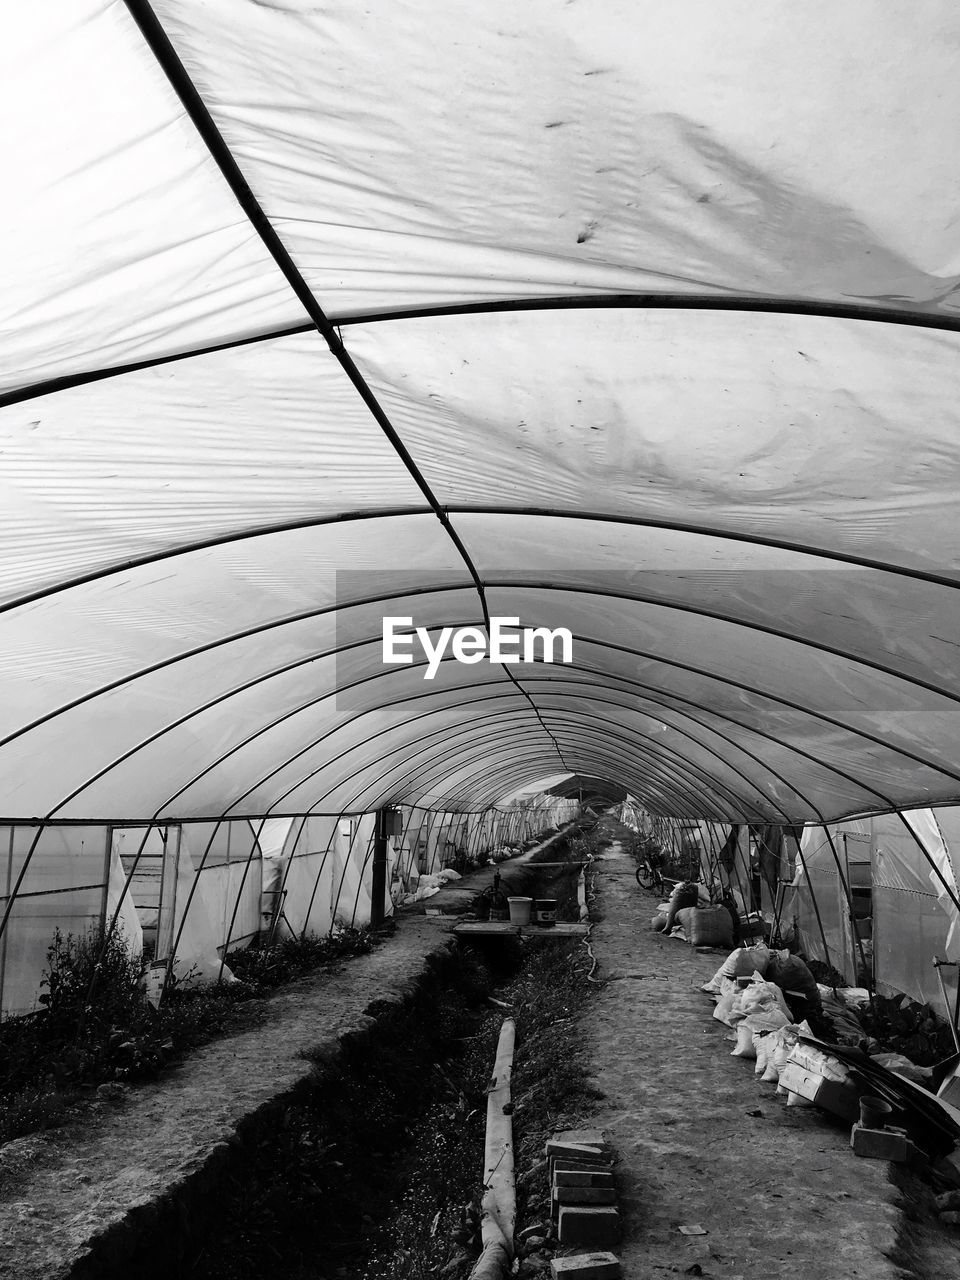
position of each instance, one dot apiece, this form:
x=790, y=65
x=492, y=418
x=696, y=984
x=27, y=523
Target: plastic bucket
x=520, y=909
x=545, y=911
x=874, y=1112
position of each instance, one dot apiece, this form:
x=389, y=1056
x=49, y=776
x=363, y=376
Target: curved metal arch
x=67, y=381
x=215, y=764
x=401, y=756
x=479, y=584
x=648, y=601
x=496, y=771
x=379, y=801
x=218, y=701
x=551, y=687
x=670, y=784
x=193, y=104
x=207, y=544
x=238, y=746
x=564, y=589
x=767, y=696
x=606, y=678
x=629, y=762
x=603, y=735
x=647, y=654
x=383, y=598
x=750, y=782
x=505, y=759
x=459, y=690
x=684, y=716
x=887, y=804
x=235, y=637
x=754, y=303
x=611, y=731
x=650, y=300
x=433, y=711
x=719, y=534
x=451, y=730
x=313, y=744
x=716, y=615
x=402, y=702
x=642, y=791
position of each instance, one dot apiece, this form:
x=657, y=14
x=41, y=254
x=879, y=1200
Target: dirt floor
x=101, y=1180
x=702, y=1142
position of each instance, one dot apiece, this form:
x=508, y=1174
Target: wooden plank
x=498, y=928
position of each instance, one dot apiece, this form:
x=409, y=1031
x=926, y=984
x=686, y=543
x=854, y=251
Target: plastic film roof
x=637, y=320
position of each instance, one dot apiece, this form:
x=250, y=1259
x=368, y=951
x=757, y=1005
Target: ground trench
x=372, y=1168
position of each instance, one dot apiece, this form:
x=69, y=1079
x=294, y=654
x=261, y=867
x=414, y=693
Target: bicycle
x=649, y=876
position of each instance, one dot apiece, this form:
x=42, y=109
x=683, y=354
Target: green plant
x=268, y=966
x=95, y=1023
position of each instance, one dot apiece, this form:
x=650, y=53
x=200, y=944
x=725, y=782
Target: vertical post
x=316, y=883
x=3, y=940
x=378, y=888
x=107, y=863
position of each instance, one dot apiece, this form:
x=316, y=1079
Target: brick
x=582, y=1178
x=565, y=1168
x=597, y=1163
x=882, y=1144
x=586, y=1266
x=589, y=1137
x=585, y=1195
x=588, y=1224
x=555, y=1147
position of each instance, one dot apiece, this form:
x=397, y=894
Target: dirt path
x=74, y=1201
x=86, y=1191
x=780, y=1194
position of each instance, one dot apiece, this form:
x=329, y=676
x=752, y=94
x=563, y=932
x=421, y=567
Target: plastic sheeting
x=63, y=889
x=911, y=909
x=713, y=452
x=875, y=897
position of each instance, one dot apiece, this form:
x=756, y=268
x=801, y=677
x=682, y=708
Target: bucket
x=520, y=909
x=545, y=911
x=874, y=1112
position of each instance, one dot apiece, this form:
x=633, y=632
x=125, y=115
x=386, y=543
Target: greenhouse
x=439, y=439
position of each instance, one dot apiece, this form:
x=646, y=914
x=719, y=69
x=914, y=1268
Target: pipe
x=498, y=1216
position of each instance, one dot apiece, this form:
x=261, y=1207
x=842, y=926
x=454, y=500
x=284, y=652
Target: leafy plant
x=95, y=1023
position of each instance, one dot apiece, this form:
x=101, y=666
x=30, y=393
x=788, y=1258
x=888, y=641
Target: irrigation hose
x=588, y=898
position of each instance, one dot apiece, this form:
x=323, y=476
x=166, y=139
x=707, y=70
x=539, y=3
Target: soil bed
x=376, y=1172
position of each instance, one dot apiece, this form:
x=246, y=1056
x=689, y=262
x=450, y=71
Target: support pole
x=378, y=887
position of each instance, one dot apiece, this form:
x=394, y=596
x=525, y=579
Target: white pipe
x=499, y=1205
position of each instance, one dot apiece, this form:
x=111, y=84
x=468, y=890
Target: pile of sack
x=799, y=993
x=691, y=912
x=425, y=886
x=760, y=992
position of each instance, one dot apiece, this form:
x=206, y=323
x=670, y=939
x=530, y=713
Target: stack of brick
x=583, y=1199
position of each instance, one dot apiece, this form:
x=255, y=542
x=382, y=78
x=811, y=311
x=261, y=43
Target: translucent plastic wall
x=187, y=893
x=64, y=888
x=876, y=898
